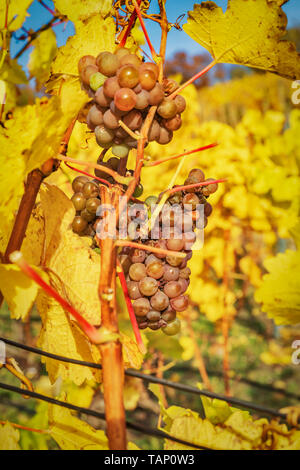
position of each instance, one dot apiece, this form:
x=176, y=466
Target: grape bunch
x=157, y=283
x=86, y=200
x=123, y=88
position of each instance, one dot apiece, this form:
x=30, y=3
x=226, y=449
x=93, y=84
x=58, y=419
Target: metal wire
x=149, y=378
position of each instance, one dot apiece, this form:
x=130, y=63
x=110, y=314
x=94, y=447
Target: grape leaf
x=9, y=437
x=248, y=33
x=42, y=55
x=79, y=10
x=17, y=12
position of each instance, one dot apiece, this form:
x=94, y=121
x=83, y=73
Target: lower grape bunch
x=157, y=283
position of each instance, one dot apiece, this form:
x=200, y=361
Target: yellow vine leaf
x=132, y=392
x=77, y=10
x=133, y=358
x=279, y=292
x=71, y=433
x=17, y=12
x=9, y=437
x=248, y=33
x=18, y=290
x=42, y=56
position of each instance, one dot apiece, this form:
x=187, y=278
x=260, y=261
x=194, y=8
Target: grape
x=167, y=109
x=78, y=183
x=151, y=259
x=92, y=204
x=130, y=59
x=79, y=224
x=108, y=63
x=90, y=189
x=153, y=316
x=172, y=289
x=184, y=283
x=180, y=103
x=173, y=124
x=210, y=189
x=132, y=143
x=151, y=200
x=165, y=136
x=111, y=86
x=150, y=66
x=138, y=256
x=85, y=61
x=143, y=325
x=125, y=99
x=95, y=116
x=121, y=51
x=155, y=269
x=160, y=244
x=125, y=263
x=79, y=201
x=87, y=72
x=195, y=176
x=120, y=151
x=111, y=121
x=207, y=209
x=154, y=131
x=141, y=307
x=133, y=290
x=133, y=120
x=119, y=114
x=103, y=135
x=142, y=99
x=148, y=286
x=147, y=79
x=173, y=260
x=171, y=273
x=170, y=85
x=96, y=80
x=86, y=215
x=187, y=221
x=111, y=163
x=159, y=301
x=138, y=88
x=176, y=198
x=168, y=315
x=128, y=76
x=191, y=200
x=180, y=303
x=175, y=244
x=137, y=271
x=121, y=133
x=172, y=328
x=138, y=190
x=101, y=98
x=154, y=325
x=156, y=95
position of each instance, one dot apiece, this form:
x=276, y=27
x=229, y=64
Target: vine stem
x=25, y=428
x=139, y=14
x=174, y=157
x=125, y=33
x=196, y=185
x=153, y=249
x=88, y=174
x=93, y=333
x=192, y=79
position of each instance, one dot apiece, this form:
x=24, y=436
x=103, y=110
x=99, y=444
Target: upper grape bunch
x=123, y=88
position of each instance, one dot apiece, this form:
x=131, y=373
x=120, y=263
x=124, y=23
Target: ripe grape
x=90, y=189
x=130, y=59
x=121, y=133
x=110, y=120
x=173, y=260
x=180, y=303
x=148, y=286
x=137, y=271
x=170, y=85
x=172, y=289
x=133, y=120
x=138, y=256
x=107, y=63
x=78, y=183
x=184, y=284
x=189, y=239
x=151, y=259
x=126, y=263
x=133, y=290
x=128, y=76
x=190, y=201
x=161, y=244
x=154, y=131
x=156, y=95
x=173, y=124
x=153, y=316
x=79, y=201
x=111, y=86
x=165, y=136
x=172, y=328
x=154, y=325
x=210, y=189
x=175, y=244
x=96, y=80
x=180, y=103
x=87, y=72
x=86, y=215
x=168, y=315
x=121, y=52
x=150, y=66
x=138, y=190
x=103, y=135
x=142, y=99
x=79, y=224
x=147, y=79
x=85, y=61
x=92, y=204
x=95, y=116
x=155, y=269
x=141, y=307
x=120, y=150
x=167, y=109
x=159, y=301
x=171, y=273
x=101, y=98
x=125, y=99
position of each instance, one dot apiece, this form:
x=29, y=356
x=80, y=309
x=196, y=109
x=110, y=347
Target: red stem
x=139, y=14
x=191, y=80
x=17, y=258
x=129, y=27
x=153, y=249
x=195, y=185
x=188, y=152
x=88, y=174
x=47, y=8
x=131, y=313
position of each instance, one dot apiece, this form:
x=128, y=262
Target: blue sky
x=177, y=41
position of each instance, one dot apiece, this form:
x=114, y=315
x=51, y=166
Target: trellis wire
x=149, y=378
